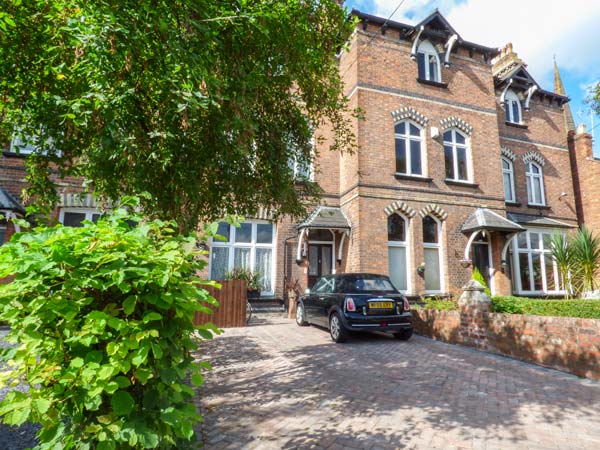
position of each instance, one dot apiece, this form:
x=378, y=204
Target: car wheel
x=404, y=335
x=300, y=320
x=336, y=329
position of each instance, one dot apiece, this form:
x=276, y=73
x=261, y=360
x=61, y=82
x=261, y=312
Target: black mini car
x=355, y=302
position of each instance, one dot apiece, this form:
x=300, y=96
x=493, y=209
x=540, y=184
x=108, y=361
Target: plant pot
x=253, y=294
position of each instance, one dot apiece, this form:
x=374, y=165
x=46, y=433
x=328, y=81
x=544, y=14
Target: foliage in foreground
x=207, y=105
x=589, y=309
x=101, y=322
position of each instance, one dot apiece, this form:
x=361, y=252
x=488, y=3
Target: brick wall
x=563, y=343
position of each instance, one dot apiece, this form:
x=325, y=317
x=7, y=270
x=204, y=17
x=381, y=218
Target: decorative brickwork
x=532, y=155
x=508, y=153
x=400, y=207
x=434, y=210
x=409, y=113
x=455, y=122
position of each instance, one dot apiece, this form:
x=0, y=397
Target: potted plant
x=421, y=268
x=252, y=280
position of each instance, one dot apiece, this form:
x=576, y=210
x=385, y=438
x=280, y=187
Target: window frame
x=511, y=98
x=402, y=244
x=530, y=251
x=455, y=146
x=511, y=174
x=407, y=138
x=439, y=248
x=427, y=49
x=89, y=213
x=530, y=178
x=253, y=245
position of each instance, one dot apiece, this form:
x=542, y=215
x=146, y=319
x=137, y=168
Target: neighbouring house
x=463, y=161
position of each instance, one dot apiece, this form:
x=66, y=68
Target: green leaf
x=122, y=403
x=151, y=316
x=197, y=379
x=129, y=305
x=42, y=405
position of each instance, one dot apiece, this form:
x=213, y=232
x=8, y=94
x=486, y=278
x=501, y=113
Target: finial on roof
x=559, y=88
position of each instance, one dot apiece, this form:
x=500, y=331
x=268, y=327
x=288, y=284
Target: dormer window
x=512, y=106
x=428, y=61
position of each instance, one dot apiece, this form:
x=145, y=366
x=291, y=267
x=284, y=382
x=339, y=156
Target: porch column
x=502, y=283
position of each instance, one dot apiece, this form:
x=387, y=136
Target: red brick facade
x=381, y=76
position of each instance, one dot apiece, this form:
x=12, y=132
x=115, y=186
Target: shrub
x=478, y=276
x=101, y=322
x=589, y=309
x=440, y=304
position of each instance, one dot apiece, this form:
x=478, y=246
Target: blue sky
x=538, y=29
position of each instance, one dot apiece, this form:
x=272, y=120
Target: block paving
x=275, y=385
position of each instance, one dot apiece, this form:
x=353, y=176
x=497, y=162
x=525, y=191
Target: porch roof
x=484, y=219
x=538, y=221
x=326, y=217
x=10, y=203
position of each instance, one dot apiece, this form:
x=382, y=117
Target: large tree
x=200, y=103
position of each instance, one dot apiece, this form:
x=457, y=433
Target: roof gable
x=438, y=23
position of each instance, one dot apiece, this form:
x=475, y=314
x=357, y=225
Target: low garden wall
x=563, y=343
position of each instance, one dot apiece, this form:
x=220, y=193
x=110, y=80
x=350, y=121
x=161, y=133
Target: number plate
x=381, y=305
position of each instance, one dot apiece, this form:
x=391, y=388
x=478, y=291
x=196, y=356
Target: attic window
x=428, y=61
x=512, y=106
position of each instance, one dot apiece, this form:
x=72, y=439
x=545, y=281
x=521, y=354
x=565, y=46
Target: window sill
x=512, y=203
x=516, y=125
x=461, y=183
x=545, y=207
x=403, y=176
x=433, y=83
x=14, y=155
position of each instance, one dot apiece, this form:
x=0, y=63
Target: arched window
x=456, y=155
x=512, y=106
x=428, y=61
x=397, y=251
x=535, y=184
x=409, y=148
x=508, y=178
x=432, y=247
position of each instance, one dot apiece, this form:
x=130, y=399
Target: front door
x=319, y=262
x=481, y=258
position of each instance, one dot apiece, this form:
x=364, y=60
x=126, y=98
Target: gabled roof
x=484, y=219
x=436, y=21
x=326, y=217
x=9, y=203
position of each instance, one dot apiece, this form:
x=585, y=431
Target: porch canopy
x=329, y=218
x=483, y=220
x=9, y=203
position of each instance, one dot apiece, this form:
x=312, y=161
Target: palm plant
x=586, y=247
x=563, y=253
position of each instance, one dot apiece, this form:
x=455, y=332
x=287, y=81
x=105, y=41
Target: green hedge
x=589, y=309
x=440, y=304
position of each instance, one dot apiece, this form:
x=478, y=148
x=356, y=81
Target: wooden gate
x=231, y=312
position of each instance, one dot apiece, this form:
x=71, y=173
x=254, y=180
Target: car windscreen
x=366, y=284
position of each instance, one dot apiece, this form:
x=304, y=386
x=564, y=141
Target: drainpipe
x=285, y=294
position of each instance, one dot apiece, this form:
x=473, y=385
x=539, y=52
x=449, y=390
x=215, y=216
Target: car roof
x=360, y=274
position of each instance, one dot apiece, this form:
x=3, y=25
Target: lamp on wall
x=562, y=194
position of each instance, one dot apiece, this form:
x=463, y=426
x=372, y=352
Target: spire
x=560, y=89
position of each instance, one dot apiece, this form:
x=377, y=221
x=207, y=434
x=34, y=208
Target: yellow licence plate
x=381, y=305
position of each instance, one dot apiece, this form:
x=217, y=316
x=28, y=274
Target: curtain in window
x=432, y=269
x=264, y=265
x=397, y=258
x=219, y=263
x=241, y=258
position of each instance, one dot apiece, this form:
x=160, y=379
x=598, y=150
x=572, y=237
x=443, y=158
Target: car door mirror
x=307, y=291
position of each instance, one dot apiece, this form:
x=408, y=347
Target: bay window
x=250, y=246
x=535, y=269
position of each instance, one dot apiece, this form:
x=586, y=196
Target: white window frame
x=253, y=245
x=511, y=98
x=89, y=212
x=542, y=251
x=24, y=149
x=511, y=174
x=427, y=49
x=455, y=146
x=439, y=247
x=3, y=229
x=530, y=177
x=296, y=168
x=407, y=138
x=406, y=245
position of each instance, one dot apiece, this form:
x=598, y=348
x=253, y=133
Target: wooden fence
x=231, y=312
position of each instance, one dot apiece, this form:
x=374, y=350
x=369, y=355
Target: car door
x=310, y=302
x=323, y=295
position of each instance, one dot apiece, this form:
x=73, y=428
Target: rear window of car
x=365, y=284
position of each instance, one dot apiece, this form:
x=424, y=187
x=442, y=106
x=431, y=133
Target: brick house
x=463, y=161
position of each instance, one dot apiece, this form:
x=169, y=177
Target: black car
x=355, y=302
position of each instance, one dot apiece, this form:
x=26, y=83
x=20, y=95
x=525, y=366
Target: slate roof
x=539, y=221
x=326, y=217
x=8, y=202
x=484, y=219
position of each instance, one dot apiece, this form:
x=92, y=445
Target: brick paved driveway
x=279, y=386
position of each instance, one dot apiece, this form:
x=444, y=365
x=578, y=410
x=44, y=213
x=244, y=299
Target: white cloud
x=538, y=29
